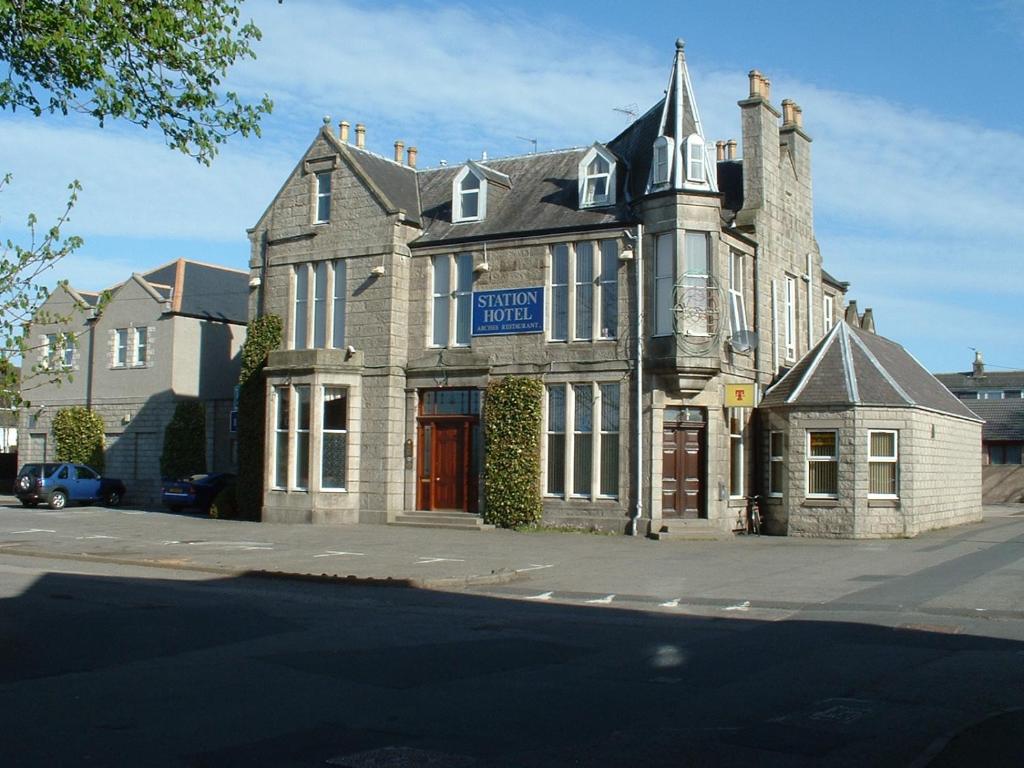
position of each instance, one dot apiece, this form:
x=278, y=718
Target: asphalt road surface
x=105, y=663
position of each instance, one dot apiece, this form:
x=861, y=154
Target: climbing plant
x=78, y=433
x=262, y=337
x=184, y=451
x=512, y=423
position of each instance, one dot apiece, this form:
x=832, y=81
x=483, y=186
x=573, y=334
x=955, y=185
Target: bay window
x=664, y=283
x=318, y=311
x=696, y=284
x=334, y=438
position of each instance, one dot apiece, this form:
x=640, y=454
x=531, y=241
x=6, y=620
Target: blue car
x=194, y=491
x=57, y=483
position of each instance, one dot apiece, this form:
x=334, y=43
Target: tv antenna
x=631, y=111
x=532, y=141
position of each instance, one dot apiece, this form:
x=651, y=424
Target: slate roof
x=852, y=367
x=1004, y=419
x=205, y=290
x=394, y=182
x=967, y=382
x=543, y=197
x=828, y=278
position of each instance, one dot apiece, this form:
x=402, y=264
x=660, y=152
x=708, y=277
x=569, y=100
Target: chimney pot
x=720, y=150
x=798, y=113
x=399, y=150
x=755, y=83
x=788, y=112
x=766, y=88
x=412, y=157
x=730, y=151
x=979, y=364
x=343, y=131
x=360, y=135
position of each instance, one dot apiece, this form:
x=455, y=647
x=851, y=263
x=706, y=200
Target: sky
x=913, y=106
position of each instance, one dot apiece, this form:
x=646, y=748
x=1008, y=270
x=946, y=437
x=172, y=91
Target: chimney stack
x=412, y=157
x=399, y=150
x=979, y=365
x=360, y=135
x=343, y=131
x=730, y=149
x=720, y=150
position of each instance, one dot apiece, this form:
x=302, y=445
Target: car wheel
x=24, y=483
x=113, y=498
x=58, y=500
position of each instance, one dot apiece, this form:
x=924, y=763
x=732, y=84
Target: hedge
x=78, y=433
x=184, y=451
x=512, y=424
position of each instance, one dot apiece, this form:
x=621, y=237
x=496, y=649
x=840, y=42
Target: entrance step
x=689, y=530
x=454, y=521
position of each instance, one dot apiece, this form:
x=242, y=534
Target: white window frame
x=322, y=197
x=588, y=179
x=277, y=444
x=296, y=431
x=789, y=318
x=602, y=253
x=301, y=277
x=737, y=450
x=737, y=303
x=120, y=347
x=315, y=321
x=664, y=283
x=661, y=163
x=833, y=459
x=58, y=351
x=455, y=298
x=698, y=281
x=140, y=346
x=776, y=461
x=597, y=433
x=324, y=392
x=696, y=170
x=893, y=460
x=458, y=194
x=827, y=308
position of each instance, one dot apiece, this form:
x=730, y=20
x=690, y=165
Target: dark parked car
x=195, y=491
x=56, y=483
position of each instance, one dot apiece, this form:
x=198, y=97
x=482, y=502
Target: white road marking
x=429, y=560
x=601, y=600
x=131, y=512
x=35, y=530
x=670, y=604
x=533, y=567
x=95, y=536
x=744, y=606
x=255, y=547
x=541, y=596
x=333, y=553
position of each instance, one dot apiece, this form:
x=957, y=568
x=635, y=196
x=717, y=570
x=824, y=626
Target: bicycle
x=753, y=515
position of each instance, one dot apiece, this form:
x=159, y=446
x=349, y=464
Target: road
x=595, y=652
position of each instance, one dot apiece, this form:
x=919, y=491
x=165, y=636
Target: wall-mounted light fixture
x=626, y=254
x=482, y=267
x=255, y=282
x=379, y=271
x=349, y=352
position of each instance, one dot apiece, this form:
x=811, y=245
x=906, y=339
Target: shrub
x=512, y=422
x=78, y=433
x=184, y=451
x=225, y=504
x=262, y=336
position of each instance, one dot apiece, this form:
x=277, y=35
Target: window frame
x=832, y=459
x=459, y=192
x=776, y=462
x=789, y=317
x=567, y=432
x=457, y=297
x=663, y=313
x=827, y=310
x=140, y=346
x=319, y=292
x=737, y=300
x=325, y=431
x=737, y=448
x=322, y=197
x=700, y=281
x=587, y=180
x=695, y=158
x=663, y=153
x=120, y=348
x=893, y=460
x=564, y=303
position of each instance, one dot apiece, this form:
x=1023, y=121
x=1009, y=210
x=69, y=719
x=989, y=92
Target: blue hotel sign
x=508, y=311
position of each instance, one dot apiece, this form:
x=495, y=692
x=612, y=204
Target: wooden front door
x=444, y=465
x=682, y=474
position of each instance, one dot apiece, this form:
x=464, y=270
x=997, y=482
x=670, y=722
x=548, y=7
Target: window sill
x=820, y=501
x=892, y=503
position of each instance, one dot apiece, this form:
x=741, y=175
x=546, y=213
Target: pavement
x=964, y=580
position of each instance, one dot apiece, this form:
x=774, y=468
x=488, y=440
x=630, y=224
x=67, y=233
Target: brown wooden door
x=449, y=466
x=682, y=478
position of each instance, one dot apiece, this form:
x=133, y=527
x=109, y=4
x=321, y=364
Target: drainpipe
x=639, y=256
x=757, y=453
x=810, y=303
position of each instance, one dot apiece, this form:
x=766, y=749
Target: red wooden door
x=449, y=466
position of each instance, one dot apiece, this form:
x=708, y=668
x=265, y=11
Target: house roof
x=966, y=381
x=393, y=182
x=1004, y=419
x=202, y=290
x=834, y=281
x=543, y=196
x=853, y=367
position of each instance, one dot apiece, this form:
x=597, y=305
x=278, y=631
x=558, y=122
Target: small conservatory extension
x=860, y=441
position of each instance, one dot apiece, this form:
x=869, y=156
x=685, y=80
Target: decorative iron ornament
x=697, y=313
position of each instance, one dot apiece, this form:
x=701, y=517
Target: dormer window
x=695, y=159
x=469, y=196
x=662, y=166
x=597, y=178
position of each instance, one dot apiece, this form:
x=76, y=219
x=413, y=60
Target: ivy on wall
x=184, y=450
x=512, y=424
x=78, y=433
x=262, y=337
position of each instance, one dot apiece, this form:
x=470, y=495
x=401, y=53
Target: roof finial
x=327, y=119
x=680, y=44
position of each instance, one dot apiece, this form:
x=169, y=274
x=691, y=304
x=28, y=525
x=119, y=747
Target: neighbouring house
x=170, y=334
x=998, y=398
x=656, y=283
x=863, y=442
